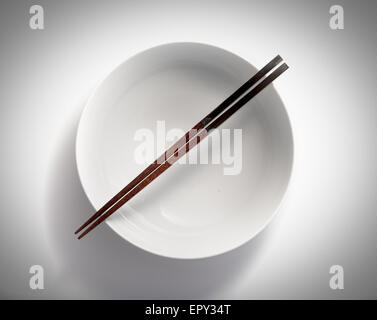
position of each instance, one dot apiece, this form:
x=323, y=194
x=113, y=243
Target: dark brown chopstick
x=183, y=140
x=188, y=146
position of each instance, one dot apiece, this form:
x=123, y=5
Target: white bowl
x=191, y=211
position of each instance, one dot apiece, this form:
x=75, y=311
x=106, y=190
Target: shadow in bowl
x=103, y=265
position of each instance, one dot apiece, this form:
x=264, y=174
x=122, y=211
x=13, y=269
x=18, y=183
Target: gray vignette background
x=328, y=216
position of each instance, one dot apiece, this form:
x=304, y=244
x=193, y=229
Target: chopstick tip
x=83, y=234
x=277, y=59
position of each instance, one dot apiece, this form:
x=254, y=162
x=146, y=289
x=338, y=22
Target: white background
x=328, y=216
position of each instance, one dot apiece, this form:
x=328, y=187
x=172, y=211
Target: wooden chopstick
x=183, y=140
x=188, y=146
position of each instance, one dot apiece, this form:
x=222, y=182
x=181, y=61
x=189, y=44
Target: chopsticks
x=187, y=142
